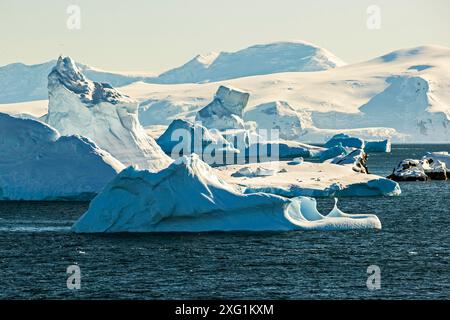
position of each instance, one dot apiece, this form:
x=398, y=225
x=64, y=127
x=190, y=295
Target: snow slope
x=21, y=82
x=255, y=60
x=404, y=95
x=279, y=115
x=39, y=164
x=189, y=197
x=95, y=110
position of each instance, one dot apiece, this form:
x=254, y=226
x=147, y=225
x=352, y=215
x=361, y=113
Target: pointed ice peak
x=67, y=67
x=67, y=74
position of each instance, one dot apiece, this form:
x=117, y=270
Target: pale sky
x=156, y=35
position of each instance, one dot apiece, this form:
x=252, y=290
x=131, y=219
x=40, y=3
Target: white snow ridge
x=188, y=197
x=39, y=164
x=101, y=113
x=260, y=59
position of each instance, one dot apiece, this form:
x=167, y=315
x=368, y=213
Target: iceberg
x=183, y=137
x=354, y=142
x=334, y=151
x=378, y=146
x=310, y=180
x=39, y=164
x=346, y=141
x=188, y=196
x=255, y=147
x=225, y=111
x=97, y=111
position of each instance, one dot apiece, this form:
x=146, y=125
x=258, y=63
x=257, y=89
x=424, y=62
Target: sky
x=156, y=35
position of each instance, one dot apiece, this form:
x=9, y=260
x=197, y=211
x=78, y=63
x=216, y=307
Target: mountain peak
x=260, y=59
x=67, y=68
x=67, y=74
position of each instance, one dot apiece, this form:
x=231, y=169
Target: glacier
x=188, y=197
x=38, y=163
x=97, y=111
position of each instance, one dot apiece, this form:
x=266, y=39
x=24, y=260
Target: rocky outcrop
x=419, y=170
x=357, y=159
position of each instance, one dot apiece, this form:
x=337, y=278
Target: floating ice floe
x=310, y=179
x=39, y=164
x=189, y=197
x=99, y=112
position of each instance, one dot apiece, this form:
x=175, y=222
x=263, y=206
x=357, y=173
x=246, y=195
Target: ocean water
x=412, y=251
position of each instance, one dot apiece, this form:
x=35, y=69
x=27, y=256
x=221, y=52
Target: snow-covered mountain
x=96, y=110
x=255, y=60
x=37, y=163
x=404, y=95
x=21, y=82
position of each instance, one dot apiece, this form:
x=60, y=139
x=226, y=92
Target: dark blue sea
x=412, y=251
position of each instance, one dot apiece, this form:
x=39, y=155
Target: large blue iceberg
x=189, y=197
x=354, y=142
